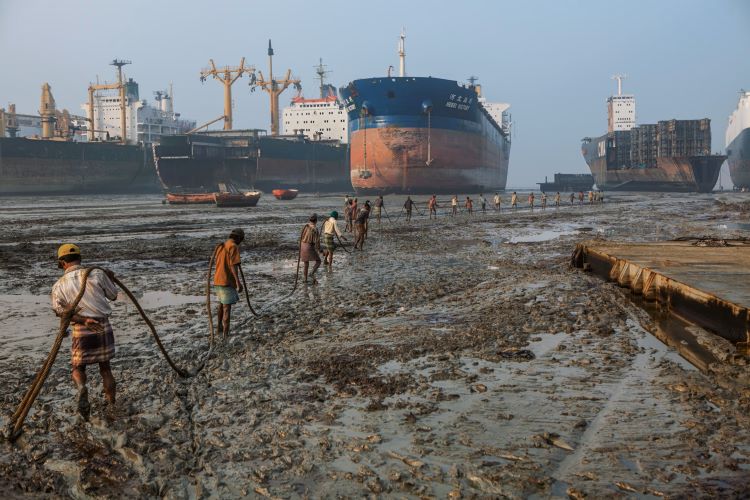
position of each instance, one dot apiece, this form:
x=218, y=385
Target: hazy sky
x=552, y=60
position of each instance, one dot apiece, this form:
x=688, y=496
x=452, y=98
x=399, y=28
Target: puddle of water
x=152, y=300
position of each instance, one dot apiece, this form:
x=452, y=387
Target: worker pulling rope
x=19, y=416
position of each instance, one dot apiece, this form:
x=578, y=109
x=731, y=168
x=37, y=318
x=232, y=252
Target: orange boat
x=285, y=194
x=194, y=198
x=244, y=199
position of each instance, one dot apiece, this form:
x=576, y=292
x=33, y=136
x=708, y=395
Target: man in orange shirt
x=226, y=277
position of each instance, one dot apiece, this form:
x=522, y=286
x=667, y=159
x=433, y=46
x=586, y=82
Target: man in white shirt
x=330, y=230
x=93, y=341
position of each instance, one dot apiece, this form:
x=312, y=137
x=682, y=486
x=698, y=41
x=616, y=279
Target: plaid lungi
x=328, y=243
x=90, y=347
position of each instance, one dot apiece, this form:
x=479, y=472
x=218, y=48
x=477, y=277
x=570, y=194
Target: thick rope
x=19, y=416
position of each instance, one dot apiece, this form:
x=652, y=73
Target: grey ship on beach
x=672, y=155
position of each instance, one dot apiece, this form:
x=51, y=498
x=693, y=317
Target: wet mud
x=452, y=358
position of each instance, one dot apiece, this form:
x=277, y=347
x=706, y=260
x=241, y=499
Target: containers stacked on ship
x=672, y=155
x=424, y=135
x=738, y=143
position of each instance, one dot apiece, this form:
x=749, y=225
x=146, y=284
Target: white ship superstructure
x=144, y=122
x=319, y=119
x=620, y=109
x=739, y=120
x=738, y=143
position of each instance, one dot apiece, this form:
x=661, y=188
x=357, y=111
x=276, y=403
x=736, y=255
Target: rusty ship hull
x=684, y=174
x=246, y=159
x=37, y=166
x=423, y=136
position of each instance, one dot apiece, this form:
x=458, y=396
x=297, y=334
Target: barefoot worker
x=226, y=278
x=409, y=206
x=433, y=205
x=309, y=246
x=379, y=204
x=497, y=201
x=93, y=341
x=514, y=200
x=454, y=205
x=330, y=231
x=360, y=226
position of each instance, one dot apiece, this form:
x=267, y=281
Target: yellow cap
x=68, y=249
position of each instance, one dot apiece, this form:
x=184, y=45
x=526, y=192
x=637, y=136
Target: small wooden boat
x=285, y=194
x=243, y=199
x=192, y=198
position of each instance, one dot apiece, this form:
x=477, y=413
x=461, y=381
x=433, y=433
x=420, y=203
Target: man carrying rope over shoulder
x=309, y=247
x=360, y=226
x=226, y=277
x=93, y=339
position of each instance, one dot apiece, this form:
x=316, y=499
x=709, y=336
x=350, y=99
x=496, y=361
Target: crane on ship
x=120, y=86
x=274, y=88
x=226, y=76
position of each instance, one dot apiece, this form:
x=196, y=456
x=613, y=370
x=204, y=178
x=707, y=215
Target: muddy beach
x=452, y=358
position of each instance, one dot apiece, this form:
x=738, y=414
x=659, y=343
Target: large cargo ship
x=107, y=153
x=672, y=155
x=35, y=166
x=425, y=135
x=244, y=159
x=738, y=143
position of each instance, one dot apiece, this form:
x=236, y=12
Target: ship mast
x=227, y=76
x=320, y=69
x=402, y=54
x=275, y=88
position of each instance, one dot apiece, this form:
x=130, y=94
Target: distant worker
x=591, y=197
x=580, y=197
x=330, y=231
x=514, y=200
x=93, y=340
x=454, y=205
x=557, y=200
x=360, y=224
x=379, y=204
x=348, y=216
x=226, y=277
x=572, y=198
x=497, y=201
x=367, y=221
x=408, y=206
x=531, y=200
x=544, y=200
x=433, y=206
x=309, y=247
x=355, y=209
x=482, y=203
x=469, y=205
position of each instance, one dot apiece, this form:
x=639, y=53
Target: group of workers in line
x=93, y=338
